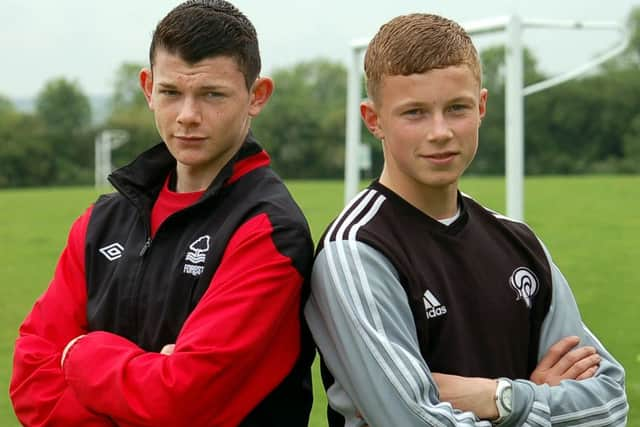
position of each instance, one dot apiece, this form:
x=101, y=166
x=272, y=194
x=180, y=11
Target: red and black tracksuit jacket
x=223, y=279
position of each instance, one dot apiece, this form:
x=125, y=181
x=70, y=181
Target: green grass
x=590, y=224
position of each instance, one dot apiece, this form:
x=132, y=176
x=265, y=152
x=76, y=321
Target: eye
x=414, y=112
x=169, y=92
x=214, y=94
x=457, y=108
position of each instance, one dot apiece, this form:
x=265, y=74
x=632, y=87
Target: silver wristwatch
x=504, y=400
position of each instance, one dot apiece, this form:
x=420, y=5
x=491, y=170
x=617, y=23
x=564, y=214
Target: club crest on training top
x=525, y=283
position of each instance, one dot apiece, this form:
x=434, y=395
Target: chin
x=441, y=182
x=190, y=160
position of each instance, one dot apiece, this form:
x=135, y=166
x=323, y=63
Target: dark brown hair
x=200, y=29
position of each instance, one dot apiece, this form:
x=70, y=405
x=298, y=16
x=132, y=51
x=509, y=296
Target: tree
x=6, y=106
x=127, y=94
x=63, y=106
x=581, y=125
x=24, y=154
x=141, y=130
x=631, y=146
x=630, y=58
x=491, y=154
x=303, y=125
x=65, y=112
x=129, y=112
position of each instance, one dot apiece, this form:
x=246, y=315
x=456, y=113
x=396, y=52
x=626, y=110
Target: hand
x=167, y=350
x=563, y=363
x=476, y=395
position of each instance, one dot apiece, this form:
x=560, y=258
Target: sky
x=87, y=40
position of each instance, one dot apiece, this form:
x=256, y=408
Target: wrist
x=486, y=409
x=503, y=399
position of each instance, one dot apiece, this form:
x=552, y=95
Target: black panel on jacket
x=149, y=292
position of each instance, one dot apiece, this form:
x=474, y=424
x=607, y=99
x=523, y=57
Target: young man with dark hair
x=427, y=308
x=177, y=301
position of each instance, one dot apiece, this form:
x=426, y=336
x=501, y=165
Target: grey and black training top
x=397, y=295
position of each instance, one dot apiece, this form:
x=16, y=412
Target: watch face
x=506, y=397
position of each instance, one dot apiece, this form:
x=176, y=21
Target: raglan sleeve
x=241, y=340
x=361, y=321
x=38, y=390
x=599, y=400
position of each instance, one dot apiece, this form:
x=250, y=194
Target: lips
x=444, y=155
x=189, y=138
x=441, y=159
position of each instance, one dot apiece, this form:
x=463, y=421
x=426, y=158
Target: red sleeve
x=38, y=390
x=238, y=344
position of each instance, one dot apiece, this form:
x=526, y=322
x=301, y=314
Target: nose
x=189, y=113
x=439, y=130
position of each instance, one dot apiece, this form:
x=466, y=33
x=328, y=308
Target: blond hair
x=415, y=44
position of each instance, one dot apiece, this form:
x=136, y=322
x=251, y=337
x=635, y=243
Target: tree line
x=586, y=126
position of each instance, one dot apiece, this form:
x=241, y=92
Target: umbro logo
x=432, y=305
x=112, y=252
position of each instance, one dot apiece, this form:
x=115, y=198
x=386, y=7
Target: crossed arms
x=361, y=321
x=218, y=371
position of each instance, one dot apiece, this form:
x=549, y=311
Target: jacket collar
x=141, y=180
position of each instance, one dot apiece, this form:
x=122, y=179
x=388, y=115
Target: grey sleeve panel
x=360, y=318
x=597, y=401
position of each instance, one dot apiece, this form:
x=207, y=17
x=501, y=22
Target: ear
x=260, y=93
x=146, y=83
x=482, y=105
x=371, y=118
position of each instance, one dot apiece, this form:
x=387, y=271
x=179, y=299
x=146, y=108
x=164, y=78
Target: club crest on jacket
x=197, y=255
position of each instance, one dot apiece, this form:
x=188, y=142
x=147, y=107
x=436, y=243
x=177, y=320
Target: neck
x=438, y=202
x=188, y=182
x=198, y=178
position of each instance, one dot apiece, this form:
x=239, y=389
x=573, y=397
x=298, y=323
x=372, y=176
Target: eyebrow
x=212, y=87
x=419, y=103
x=209, y=87
x=411, y=104
x=462, y=98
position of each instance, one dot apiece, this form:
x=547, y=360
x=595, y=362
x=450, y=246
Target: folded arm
x=360, y=318
x=576, y=380
x=38, y=390
x=240, y=341
x=600, y=399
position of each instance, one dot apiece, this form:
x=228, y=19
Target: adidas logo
x=433, y=306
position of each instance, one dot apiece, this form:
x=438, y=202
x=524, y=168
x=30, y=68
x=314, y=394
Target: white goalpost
x=105, y=142
x=512, y=27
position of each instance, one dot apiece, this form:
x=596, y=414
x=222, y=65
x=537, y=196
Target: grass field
x=590, y=224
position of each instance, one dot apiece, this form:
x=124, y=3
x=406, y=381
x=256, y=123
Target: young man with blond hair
x=177, y=301
x=427, y=308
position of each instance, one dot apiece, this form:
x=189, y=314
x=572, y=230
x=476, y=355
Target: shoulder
x=263, y=191
x=108, y=204
x=109, y=200
x=111, y=208
x=515, y=236
x=359, y=215
x=488, y=216
x=263, y=200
